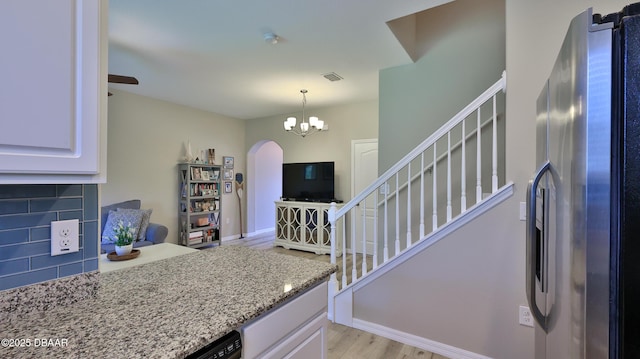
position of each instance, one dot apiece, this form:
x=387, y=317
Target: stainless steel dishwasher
x=227, y=347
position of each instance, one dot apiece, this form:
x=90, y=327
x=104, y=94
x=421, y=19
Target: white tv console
x=305, y=226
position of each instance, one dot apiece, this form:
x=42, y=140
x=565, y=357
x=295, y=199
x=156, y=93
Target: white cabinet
x=298, y=329
x=53, y=91
x=305, y=226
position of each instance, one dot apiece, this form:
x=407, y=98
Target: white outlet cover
x=525, y=318
x=64, y=237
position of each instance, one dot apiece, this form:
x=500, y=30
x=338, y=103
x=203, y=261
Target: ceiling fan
x=119, y=79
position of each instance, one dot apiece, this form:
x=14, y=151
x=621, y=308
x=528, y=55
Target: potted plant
x=125, y=236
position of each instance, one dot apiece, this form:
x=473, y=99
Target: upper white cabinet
x=53, y=91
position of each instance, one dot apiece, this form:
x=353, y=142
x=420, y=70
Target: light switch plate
x=64, y=237
x=523, y=211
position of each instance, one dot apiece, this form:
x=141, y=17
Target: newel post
x=333, y=282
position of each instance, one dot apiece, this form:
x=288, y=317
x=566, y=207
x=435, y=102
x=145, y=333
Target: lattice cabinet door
x=325, y=229
x=295, y=224
x=311, y=225
x=282, y=222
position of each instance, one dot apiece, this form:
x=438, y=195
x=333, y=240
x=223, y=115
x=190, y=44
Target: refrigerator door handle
x=531, y=246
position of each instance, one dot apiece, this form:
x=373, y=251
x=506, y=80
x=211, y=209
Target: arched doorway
x=264, y=185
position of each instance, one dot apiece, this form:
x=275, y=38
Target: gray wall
x=146, y=140
x=463, y=291
x=346, y=123
x=466, y=290
x=463, y=46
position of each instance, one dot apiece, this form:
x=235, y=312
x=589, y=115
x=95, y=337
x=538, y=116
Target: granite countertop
x=165, y=309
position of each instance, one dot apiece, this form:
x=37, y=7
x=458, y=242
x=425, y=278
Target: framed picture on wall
x=227, y=161
x=227, y=187
x=227, y=175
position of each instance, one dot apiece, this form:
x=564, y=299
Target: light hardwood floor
x=345, y=342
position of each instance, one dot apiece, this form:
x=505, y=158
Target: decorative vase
x=122, y=250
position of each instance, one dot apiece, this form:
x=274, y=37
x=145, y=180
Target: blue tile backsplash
x=26, y=212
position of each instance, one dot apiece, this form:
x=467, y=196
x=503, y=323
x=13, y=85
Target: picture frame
x=196, y=173
x=227, y=175
x=205, y=175
x=227, y=161
x=215, y=175
x=227, y=187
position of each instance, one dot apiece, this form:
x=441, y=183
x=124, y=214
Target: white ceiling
x=211, y=54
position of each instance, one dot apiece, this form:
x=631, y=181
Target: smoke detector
x=271, y=38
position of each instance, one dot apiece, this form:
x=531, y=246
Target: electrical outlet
x=525, y=316
x=64, y=237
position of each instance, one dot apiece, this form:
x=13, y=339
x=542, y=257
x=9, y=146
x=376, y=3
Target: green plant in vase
x=125, y=235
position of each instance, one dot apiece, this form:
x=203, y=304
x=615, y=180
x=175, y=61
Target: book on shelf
x=196, y=240
x=196, y=234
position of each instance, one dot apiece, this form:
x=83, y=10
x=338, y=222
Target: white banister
x=478, y=160
x=494, y=149
x=354, y=270
x=363, y=209
x=449, y=209
x=463, y=170
x=365, y=223
x=375, y=231
x=424, y=145
x=397, y=206
x=434, y=175
x=422, y=195
x=384, y=224
x=455, y=147
x=409, y=205
x=333, y=287
x=344, y=257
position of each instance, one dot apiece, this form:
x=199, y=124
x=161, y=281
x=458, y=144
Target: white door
x=364, y=159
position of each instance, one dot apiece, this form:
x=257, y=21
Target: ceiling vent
x=332, y=76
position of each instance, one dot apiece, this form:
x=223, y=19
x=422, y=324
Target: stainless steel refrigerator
x=583, y=203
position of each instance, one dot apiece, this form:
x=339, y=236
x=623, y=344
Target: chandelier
x=306, y=128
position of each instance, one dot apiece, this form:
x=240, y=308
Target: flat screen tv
x=308, y=182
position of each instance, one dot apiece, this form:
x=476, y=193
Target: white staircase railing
x=390, y=215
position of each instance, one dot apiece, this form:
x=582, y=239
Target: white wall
x=146, y=139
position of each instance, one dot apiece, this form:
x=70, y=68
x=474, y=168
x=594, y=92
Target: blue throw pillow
x=146, y=217
x=131, y=219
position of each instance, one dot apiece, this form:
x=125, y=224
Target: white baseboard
x=261, y=232
x=257, y=233
x=229, y=238
x=416, y=341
